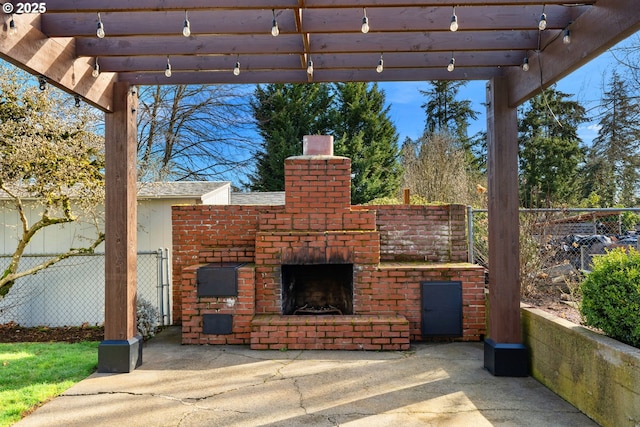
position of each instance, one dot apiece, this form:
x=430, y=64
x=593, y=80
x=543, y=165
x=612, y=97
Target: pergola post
x=504, y=353
x=121, y=351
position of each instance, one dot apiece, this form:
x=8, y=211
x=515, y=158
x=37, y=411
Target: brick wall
x=395, y=288
x=319, y=185
x=330, y=333
x=209, y=233
x=386, y=288
x=421, y=233
x=240, y=307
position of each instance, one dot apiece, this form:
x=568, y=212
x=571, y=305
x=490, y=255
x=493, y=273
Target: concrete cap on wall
x=317, y=145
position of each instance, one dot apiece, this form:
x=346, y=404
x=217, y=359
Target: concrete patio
x=432, y=384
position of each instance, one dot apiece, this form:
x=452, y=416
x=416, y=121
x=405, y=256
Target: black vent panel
x=218, y=280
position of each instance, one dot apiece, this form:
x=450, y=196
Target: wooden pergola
x=58, y=41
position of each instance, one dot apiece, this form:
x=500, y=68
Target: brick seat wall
x=277, y=332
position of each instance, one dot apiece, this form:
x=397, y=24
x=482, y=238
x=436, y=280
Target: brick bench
x=277, y=332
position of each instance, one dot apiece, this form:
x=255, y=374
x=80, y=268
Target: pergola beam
x=254, y=44
x=300, y=76
x=55, y=59
x=595, y=31
x=420, y=19
x=413, y=36
x=394, y=60
x=168, y=5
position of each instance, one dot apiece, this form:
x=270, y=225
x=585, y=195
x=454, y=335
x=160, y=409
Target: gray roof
x=178, y=189
x=270, y=198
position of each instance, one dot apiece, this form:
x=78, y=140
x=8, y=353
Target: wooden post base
x=505, y=359
x=120, y=356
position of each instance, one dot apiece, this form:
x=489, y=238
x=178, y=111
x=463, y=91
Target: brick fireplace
x=319, y=273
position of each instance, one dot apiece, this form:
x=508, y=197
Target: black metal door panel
x=441, y=309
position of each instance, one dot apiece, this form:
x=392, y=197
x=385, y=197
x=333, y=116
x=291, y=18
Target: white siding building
x=72, y=292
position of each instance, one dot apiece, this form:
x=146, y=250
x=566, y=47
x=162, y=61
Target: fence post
x=470, y=232
x=166, y=286
x=160, y=286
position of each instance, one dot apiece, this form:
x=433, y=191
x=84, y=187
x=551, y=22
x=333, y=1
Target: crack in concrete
x=300, y=397
x=192, y=403
x=131, y=393
x=184, y=416
x=284, y=363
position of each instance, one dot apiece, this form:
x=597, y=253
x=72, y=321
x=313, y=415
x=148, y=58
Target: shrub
x=414, y=199
x=611, y=295
x=147, y=318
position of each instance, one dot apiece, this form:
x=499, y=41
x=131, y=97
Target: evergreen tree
x=353, y=112
x=364, y=133
x=446, y=114
x=612, y=170
x=550, y=150
x=284, y=114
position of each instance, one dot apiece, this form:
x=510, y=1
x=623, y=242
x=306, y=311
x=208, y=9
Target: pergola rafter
x=493, y=39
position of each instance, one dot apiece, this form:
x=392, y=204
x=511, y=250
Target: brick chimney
x=318, y=182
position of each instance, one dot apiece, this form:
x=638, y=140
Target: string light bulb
x=42, y=82
x=525, y=64
x=452, y=64
x=275, y=30
x=186, y=28
x=96, y=69
x=542, y=23
x=167, y=70
x=76, y=98
x=100, y=30
x=365, y=22
x=566, y=39
x=236, y=69
x=380, y=67
x=310, y=67
x=453, y=26
x=12, y=26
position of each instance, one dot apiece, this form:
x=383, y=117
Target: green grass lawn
x=32, y=373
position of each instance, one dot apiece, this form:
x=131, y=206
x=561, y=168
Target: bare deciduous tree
x=194, y=132
x=437, y=169
x=628, y=55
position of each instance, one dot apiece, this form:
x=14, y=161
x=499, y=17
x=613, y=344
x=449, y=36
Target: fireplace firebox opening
x=317, y=289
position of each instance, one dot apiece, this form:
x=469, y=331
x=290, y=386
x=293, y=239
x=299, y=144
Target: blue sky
x=585, y=84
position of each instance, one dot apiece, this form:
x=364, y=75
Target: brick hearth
x=392, y=249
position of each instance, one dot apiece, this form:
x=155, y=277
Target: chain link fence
x=71, y=292
x=558, y=245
